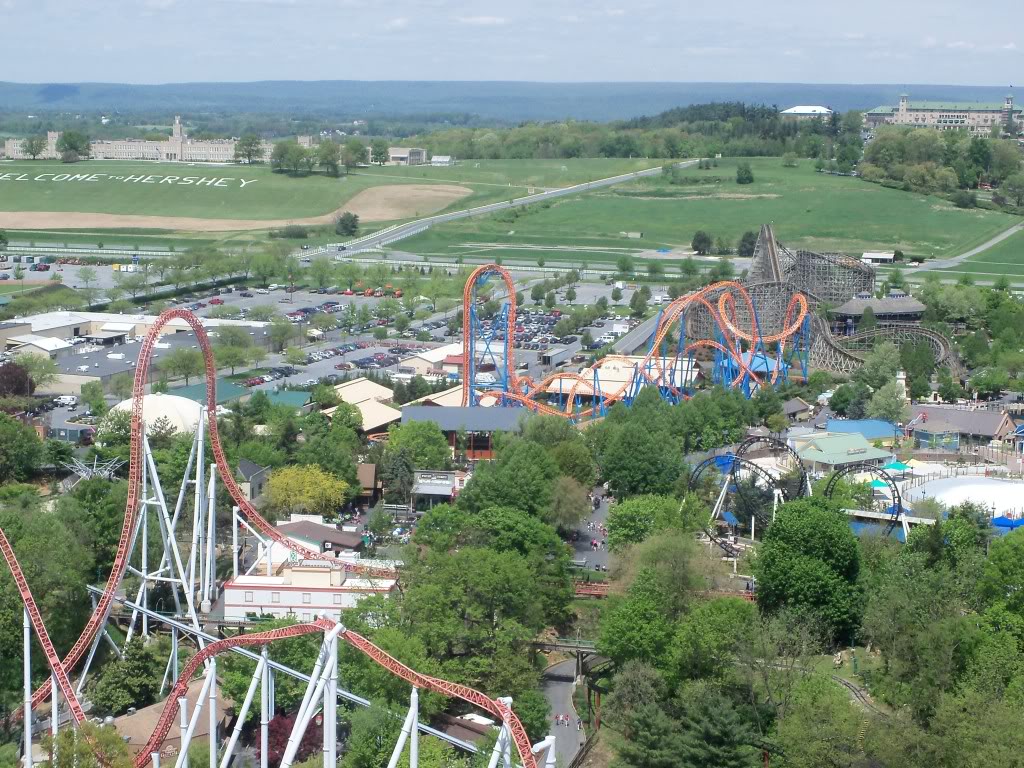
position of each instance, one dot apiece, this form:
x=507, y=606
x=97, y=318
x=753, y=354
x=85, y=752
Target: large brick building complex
x=179, y=147
x=977, y=118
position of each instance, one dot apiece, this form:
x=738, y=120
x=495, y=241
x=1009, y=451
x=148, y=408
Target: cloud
x=961, y=45
x=1010, y=47
x=615, y=12
x=482, y=21
x=160, y=5
x=400, y=22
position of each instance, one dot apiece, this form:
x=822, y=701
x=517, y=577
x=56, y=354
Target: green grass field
x=268, y=196
x=1005, y=258
x=809, y=210
x=517, y=174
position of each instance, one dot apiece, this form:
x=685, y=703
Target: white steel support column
x=330, y=702
x=182, y=761
x=499, y=747
x=414, y=732
x=265, y=693
x=155, y=757
x=209, y=569
x=257, y=676
x=27, y=683
x=212, y=705
x=506, y=752
x=234, y=542
x=197, y=506
x=186, y=737
x=326, y=664
x=407, y=728
x=54, y=715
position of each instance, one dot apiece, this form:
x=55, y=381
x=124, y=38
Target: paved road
x=582, y=546
x=928, y=266
x=402, y=231
x=558, y=692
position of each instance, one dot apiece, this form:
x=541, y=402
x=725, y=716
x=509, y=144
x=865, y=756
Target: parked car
x=216, y=302
x=246, y=294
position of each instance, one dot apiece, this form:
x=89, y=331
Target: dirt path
x=383, y=203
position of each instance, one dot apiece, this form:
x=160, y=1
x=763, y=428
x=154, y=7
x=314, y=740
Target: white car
x=263, y=291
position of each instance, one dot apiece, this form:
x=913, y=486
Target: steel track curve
x=131, y=517
x=522, y=390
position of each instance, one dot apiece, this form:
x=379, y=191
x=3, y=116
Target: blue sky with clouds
x=869, y=41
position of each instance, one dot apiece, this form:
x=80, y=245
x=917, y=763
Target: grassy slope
x=517, y=173
x=809, y=210
x=273, y=195
x=1005, y=258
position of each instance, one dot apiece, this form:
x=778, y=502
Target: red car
x=216, y=302
x=348, y=292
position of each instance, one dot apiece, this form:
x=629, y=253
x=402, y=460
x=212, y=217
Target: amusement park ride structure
x=193, y=584
x=758, y=331
x=745, y=358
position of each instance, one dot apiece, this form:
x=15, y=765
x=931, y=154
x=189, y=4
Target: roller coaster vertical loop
x=95, y=624
x=494, y=345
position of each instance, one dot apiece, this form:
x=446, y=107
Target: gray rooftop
x=889, y=305
x=470, y=419
x=968, y=421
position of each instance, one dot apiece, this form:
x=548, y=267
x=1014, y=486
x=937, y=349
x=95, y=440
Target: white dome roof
x=182, y=414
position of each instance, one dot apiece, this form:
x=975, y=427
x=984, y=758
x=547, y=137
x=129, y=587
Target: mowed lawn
x=809, y=210
x=1005, y=258
x=516, y=173
x=267, y=196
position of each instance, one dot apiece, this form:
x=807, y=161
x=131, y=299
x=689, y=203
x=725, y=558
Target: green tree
x=92, y=395
x=183, y=362
x=73, y=141
x=637, y=462
x=398, y=474
x=744, y=174
x=230, y=357
x=34, y=146
x=1003, y=578
x=549, y=300
x=880, y=366
x=1013, y=188
x=575, y=460
x=20, y=450
x=355, y=152
x=637, y=628
x=616, y=294
x=537, y=293
x=708, y=640
x=130, y=681
x=887, y=403
x=747, y=244
x=702, y=243
x=347, y=225
x=380, y=153
x=249, y=149
x=281, y=332
x=425, y=442
x=328, y=157
x=569, y=504
x=810, y=561
x=42, y=370
x=867, y=320
x=633, y=520
x=522, y=476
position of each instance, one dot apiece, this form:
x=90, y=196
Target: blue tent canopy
x=730, y=518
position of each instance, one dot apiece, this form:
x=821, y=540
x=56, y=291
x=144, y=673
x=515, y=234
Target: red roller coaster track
x=60, y=667
x=523, y=390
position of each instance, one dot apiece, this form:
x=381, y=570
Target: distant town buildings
x=407, y=155
x=178, y=148
x=976, y=118
x=805, y=112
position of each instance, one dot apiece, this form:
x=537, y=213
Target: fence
x=588, y=745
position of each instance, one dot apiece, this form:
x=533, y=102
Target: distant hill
x=497, y=101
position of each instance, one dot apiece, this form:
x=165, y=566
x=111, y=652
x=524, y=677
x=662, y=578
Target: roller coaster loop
x=60, y=668
x=742, y=357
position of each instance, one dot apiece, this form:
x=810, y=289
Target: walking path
x=953, y=261
x=558, y=692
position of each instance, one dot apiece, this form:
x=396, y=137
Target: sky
x=808, y=41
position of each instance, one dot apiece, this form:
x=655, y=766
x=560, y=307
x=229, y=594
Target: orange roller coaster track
x=736, y=348
x=61, y=667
